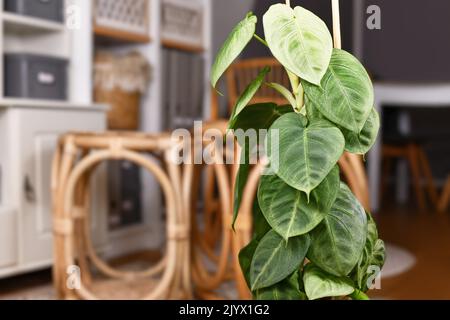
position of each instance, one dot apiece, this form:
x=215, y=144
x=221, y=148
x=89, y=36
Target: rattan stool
x=215, y=246
x=77, y=156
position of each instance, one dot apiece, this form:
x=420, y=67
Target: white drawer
x=8, y=238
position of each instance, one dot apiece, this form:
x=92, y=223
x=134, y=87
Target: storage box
x=182, y=22
x=44, y=9
x=36, y=77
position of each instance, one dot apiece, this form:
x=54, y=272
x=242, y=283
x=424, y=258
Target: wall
x=226, y=14
x=414, y=42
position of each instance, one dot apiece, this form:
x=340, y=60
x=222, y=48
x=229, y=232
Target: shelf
x=24, y=24
x=120, y=35
x=182, y=46
x=49, y=104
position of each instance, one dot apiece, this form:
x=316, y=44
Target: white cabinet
x=8, y=243
x=32, y=136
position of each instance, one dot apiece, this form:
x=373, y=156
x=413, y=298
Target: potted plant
x=312, y=237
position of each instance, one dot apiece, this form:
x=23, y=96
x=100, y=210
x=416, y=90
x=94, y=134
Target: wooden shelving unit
x=120, y=35
x=182, y=46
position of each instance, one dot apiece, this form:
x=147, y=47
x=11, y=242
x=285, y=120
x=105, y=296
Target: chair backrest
x=241, y=73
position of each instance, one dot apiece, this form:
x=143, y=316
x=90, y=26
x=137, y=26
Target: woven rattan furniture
x=215, y=246
x=77, y=157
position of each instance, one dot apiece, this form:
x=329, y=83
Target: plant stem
x=264, y=42
x=288, y=3
x=359, y=295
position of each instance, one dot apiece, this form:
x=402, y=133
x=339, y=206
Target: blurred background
x=148, y=62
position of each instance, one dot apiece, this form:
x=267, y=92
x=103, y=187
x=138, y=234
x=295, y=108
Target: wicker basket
x=125, y=15
x=120, y=82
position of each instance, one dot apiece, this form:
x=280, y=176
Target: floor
x=425, y=234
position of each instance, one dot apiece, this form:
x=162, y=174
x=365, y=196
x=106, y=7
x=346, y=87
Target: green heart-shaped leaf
x=346, y=94
x=300, y=40
x=249, y=93
x=288, y=211
x=338, y=242
x=363, y=142
x=319, y=284
x=285, y=290
x=354, y=143
x=250, y=121
x=233, y=46
x=303, y=156
x=275, y=259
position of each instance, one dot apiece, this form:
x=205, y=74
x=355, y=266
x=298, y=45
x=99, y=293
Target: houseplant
x=313, y=239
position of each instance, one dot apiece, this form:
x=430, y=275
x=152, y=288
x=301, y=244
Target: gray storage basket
x=44, y=9
x=35, y=77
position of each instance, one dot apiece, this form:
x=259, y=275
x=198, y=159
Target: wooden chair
x=212, y=267
x=77, y=157
x=445, y=198
x=241, y=73
x=419, y=167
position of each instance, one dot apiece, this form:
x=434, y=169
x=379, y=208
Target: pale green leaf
x=346, y=95
x=249, y=93
x=319, y=284
x=275, y=259
x=285, y=93
x=338, y=242
x=288, y=211
x=303, y=156
x=300, y=40
x=233, y=46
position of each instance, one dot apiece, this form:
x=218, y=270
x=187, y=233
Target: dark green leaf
x=246, y=257
x=287, y=209
x=275, y=259
x=259, y=116
x=373, y=257
x=233, y=46
x=241, y=180
x=260, y=224
x=338, y=242
x=287, y=289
